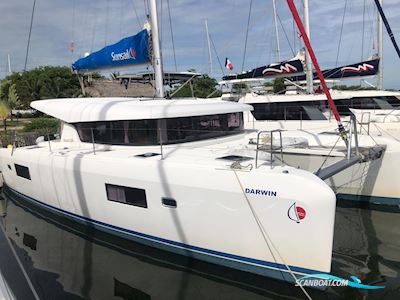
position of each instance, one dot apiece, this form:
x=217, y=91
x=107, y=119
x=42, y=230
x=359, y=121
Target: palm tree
x=13, y=99
x=4, y=113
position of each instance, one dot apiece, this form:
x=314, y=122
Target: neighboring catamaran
x=319, y=145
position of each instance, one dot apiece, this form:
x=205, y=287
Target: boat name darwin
x=260, y=192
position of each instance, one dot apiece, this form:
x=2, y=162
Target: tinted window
x=203, y=127
x=307, y=110
x=22, y=171
x=289, y=110
x=366, y=103
x=147, y=132
x=127, y=195
x=140, y=132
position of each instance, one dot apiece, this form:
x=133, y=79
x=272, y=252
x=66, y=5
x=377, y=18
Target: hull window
x=127, y=195
x=22, y=171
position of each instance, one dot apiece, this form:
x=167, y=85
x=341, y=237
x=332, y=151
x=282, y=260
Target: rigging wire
x=146, y=7
x=136, y=14
x=84, y=21
x=72, y=42
x=363, y=32
x=216, y=53
x=341, y=33
x=172, y=35
x=372, y=13
x=266, y=237
x=94, y=26
x=388, y=29
x=247, y=34
x=29, y=36
x=121, y=16
x=106, y=23
x=285, y=33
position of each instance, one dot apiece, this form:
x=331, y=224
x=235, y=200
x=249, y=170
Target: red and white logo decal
x=296, y=213
x=358, y=69
x=133, y=53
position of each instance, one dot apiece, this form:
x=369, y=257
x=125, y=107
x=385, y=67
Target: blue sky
x=93, y=23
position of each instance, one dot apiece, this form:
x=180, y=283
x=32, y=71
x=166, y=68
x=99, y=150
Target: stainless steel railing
x=270, y=147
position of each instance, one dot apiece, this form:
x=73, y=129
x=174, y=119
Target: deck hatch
x=147, y=154
x=235, y=158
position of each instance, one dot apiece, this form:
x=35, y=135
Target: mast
x=379, y=84
x=29, y=36
x=278, y=49
x=9, y=64
x=210, y=66
x=309, y=71
x=307, y=44
x=157, y=61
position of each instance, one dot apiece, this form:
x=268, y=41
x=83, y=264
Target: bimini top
x=74, y=110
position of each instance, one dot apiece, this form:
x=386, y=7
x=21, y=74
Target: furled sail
x=283, y=69
x=133, y=50
x=365, y=68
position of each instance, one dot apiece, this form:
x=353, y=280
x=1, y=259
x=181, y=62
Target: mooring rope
x=266, y=237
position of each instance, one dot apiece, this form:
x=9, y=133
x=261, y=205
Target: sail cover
x=131, y=50
x=364, y=68
x=283, y=69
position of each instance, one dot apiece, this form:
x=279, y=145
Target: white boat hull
x=212, y=221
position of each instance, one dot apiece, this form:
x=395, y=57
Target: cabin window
x=299, y=110
x=173, y=130
x=22, y=171
x=313, y=110
x=181, y=130
x=383, y=102
x=127, y=195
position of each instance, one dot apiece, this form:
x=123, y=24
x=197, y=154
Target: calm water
x=64, y=260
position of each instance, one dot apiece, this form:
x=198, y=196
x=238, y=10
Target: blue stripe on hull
x=264, y=268
x=368, y=199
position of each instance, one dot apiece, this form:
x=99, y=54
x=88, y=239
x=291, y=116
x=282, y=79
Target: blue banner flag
x=131, y=50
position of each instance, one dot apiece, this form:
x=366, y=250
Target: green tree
x=41, y=83
x=202, y=87
x=13, y=98
x=279, y=85
x=4, y=113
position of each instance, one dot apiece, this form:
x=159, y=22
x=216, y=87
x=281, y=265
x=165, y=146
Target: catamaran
x=318, y=143
x=172, y=174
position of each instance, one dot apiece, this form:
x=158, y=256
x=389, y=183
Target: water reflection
x=66, y=260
